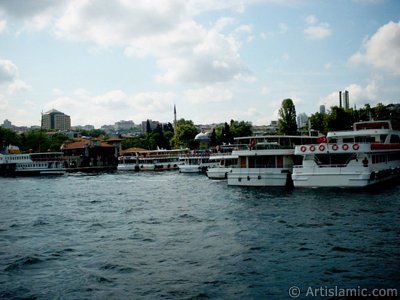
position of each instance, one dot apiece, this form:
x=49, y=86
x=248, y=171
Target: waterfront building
x=302, y=120
x=149, y=124
x=344, y=100
x=7, y=124
x=124, y=125
x=54, y=119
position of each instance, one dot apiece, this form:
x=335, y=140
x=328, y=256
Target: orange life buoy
x=312, y=148
x=335, y=147
x=356, y=147
x=321, y=147
x=345, y=147
x=303, y=148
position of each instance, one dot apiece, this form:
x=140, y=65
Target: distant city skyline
x=101, y=62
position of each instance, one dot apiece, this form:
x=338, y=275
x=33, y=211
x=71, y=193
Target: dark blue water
x=171, y=236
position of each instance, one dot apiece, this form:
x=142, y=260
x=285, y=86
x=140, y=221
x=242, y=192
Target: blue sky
x=108, y=60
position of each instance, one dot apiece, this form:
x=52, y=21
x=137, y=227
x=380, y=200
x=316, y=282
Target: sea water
x=174, y=236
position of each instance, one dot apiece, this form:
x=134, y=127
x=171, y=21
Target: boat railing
x=322, y=166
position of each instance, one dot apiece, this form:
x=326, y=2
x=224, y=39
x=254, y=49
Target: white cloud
x=3, y=26
x=107, y=108
x=3, y=103
x=208, y=94
x=382, y=50
x=316, y=29
x=224, y=22
x=311, y=20
x=283, y=28
x=8, y=71
x=185, y=51
x=18, y=86
x=36, y=15
x=328, y=66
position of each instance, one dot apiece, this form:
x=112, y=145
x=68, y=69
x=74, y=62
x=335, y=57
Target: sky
x=102, y=61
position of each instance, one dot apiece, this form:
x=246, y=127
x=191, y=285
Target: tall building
x=54, y=119
x=124, y=125
x=344, y=100
x=322, y=109
x=149, y=125
x=301, y=120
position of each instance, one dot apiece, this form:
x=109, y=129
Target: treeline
x=34, y=140
x=161, y=137
x=342, y=119
x=164, y=137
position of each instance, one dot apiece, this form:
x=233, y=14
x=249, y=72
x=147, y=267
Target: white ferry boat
x=366, y=155
x=46, y=163
x=196, y=162
x=224, y=164
x=151, y=160
x=266, y=161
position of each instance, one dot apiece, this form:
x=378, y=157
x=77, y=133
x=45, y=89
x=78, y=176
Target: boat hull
x=260, y=177
x=40, y=172
x=218, y=173
x=342, y=177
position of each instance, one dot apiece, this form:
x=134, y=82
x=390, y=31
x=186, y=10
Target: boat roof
x=223, y=157
x=263, y=152
x=274, y=137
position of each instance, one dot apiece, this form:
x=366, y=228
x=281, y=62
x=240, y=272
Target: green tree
x=380, y=112
x=185, y=133
x=339, y=119
x=226, y=135
x=9, y=137
x=319, y=122
x=213, y=138
x=287, y=122
x=241, y=128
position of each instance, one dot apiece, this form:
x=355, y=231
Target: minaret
x=174, y=117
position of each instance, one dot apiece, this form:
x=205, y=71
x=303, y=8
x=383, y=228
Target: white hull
x=127, y=167
x=218, y=173
x=259, y=177
x=346, y=177
x=158, y=167
x=40, y=171
x=195, y=168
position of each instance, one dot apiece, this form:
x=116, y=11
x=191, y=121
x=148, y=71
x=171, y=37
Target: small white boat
x=367, y=155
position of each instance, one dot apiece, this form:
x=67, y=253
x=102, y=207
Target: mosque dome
x=202, y=137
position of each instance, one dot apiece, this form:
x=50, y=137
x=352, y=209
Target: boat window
x=383, y=137
x=262, y=162
x=394, y=139
x=364, y=139
x=348, y=140
x=338, y=160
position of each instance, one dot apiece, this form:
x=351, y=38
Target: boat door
x=243, y=161
x=279, y=161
